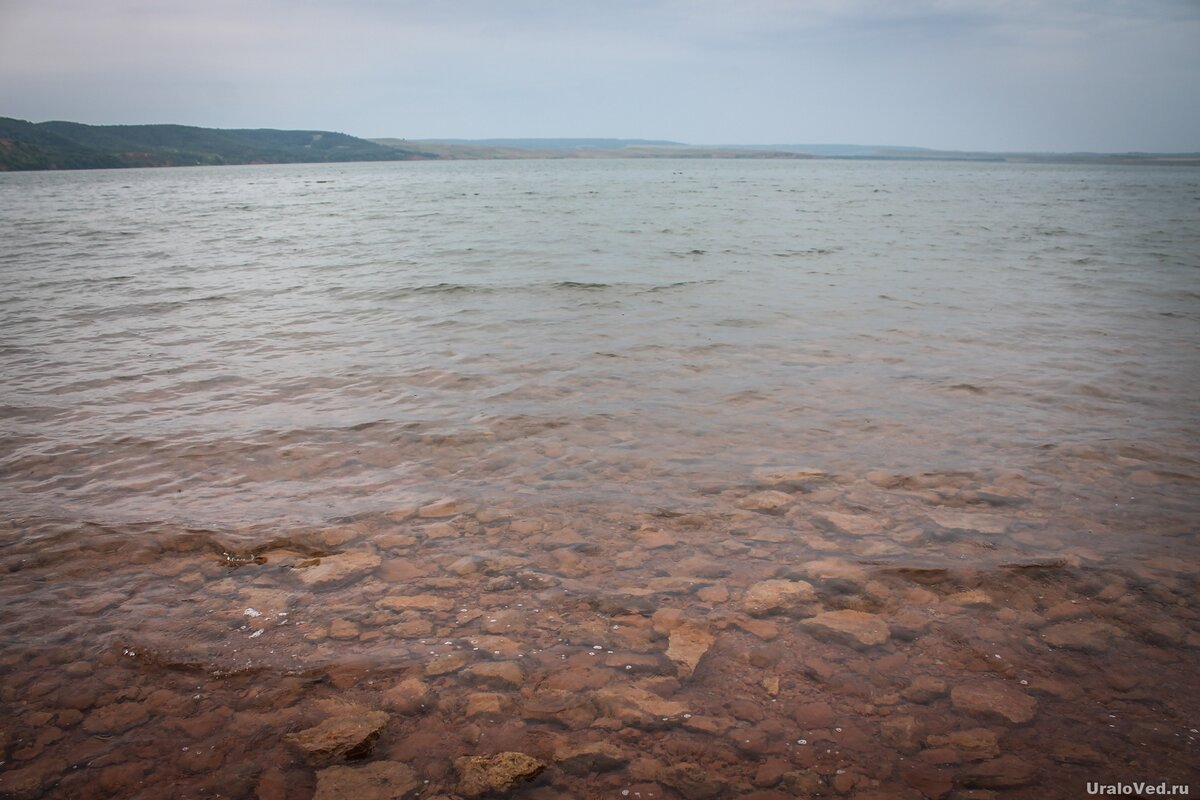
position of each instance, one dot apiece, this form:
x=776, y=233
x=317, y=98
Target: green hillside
x=71, y=145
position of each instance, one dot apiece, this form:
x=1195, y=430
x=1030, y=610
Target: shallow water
x=562, y=417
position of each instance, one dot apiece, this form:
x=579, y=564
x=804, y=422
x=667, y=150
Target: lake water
x=757, y=478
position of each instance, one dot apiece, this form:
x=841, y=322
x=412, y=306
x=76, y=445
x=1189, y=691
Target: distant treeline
x=71, y=145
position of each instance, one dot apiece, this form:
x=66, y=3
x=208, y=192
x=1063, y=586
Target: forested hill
x=71, y=145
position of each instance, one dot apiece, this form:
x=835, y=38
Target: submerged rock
x=773, y=596
x=768, y=501
x=382, y=780
x=855, y=628
x=634, y=705
x=329, y=570
x=410, y=696
x=692, y=781
x=1000, y=773
x=503, y=772
x=1090, y=637
x=687, y=645
x=994, y=699
x=340, y=737
x=591, y=757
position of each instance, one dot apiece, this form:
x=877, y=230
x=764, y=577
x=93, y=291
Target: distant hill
x=71, y=145
x=581, y=148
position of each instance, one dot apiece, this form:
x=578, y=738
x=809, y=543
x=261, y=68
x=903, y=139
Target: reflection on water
x=686, y=480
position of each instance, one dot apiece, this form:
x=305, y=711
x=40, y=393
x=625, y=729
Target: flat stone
x=444, y=665
x=769, y=501
x=768, y=597
x=836, y=571
x=973, y=598
x=814, y=715
x=968, y=520
x=380, y=780
x=497, y=674
x=635, y=705
x=486, y=704
x=774, y=476
x=994, y=699
x=591, y=757
x=855, y=628
x=116, y=718
x=329, y=570
x=409, y=697
x=417, y=602
x=692, y=781
x=1005, y=772
x=902, y=732
x=445, y=508
x=574, y=710
x=687, y=645
x=503, y=772
x=853, y=524
x=974, y=743
x=338, y=738
x=924, y=689
x=1090, y=637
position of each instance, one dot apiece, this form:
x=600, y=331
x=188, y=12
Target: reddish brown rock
x=687, y=645
x=445, y=508
x=994, y=699
x=116, y=718
x=416, y=602
x=573, y=710
x=973, y=744
x=634, y=705
x=1005, y=772
x=410, y=696
x=381, y=780
x=330, y=570
x=855, y=628
x=337, y=738
x=924, y=689
x=692, y=781
x=496, y=674
x=1090, y=637
x=486, y=704
x=503, y=772
x=769, y=501
x=591, y=757
x=814, y=715
x=902, y=732
x=775, y=596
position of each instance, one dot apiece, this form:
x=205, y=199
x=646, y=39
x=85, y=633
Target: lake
x=685, y=478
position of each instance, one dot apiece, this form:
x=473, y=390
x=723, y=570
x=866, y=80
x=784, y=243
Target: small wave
x=580, y=285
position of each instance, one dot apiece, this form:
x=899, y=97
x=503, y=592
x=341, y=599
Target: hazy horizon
x=1014, y=76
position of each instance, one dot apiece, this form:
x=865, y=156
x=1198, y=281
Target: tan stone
x=380, y=780
x=116, y=718
x=635, y=705
x=590, y=757
x=769, y=501
x=503, y=772
x=994, y=699
x=687, y=645
x=772, y=596
x=444, y=665
x=410, y=696
x=419, y=602
x=346, y=736
x=497, y=674
x=329, y=570
x=855, y=628
x=445, y=508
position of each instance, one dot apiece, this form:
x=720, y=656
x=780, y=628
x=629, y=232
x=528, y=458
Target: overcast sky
x=1108, y=75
